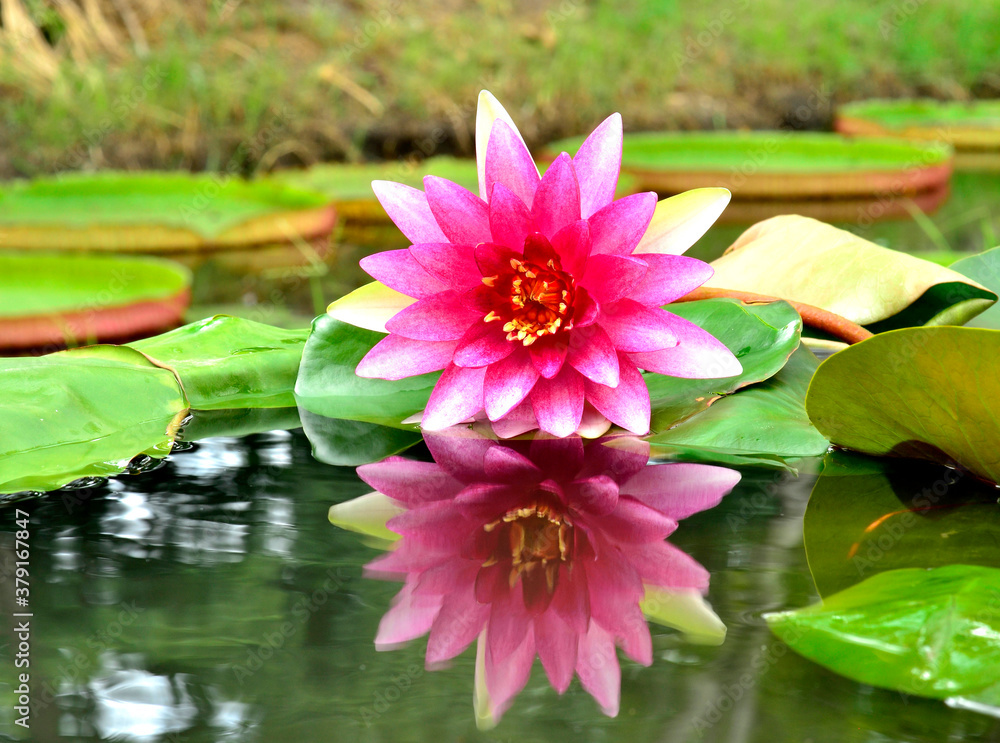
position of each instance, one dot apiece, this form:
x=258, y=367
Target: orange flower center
x=538, y=539
x=540, y=300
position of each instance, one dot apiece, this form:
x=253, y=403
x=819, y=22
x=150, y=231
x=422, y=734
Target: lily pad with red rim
x=968, y=125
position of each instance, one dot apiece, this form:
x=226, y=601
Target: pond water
x=210, y=599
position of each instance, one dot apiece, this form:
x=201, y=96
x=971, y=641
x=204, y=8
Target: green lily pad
x=928, y=393
x=762, y=336
x=969, y=125
x=983, y=268
x=85, y=412
x=926, y=632
x=764, y=424
x=867, y=516
x=51, y=299
x=803, y=260
x=230, y=362
x=778, y=163
x=156, y=212
x=347, y=443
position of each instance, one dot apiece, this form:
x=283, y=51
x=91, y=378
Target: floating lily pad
x=867, y=516
x=156, y=212
x=778, y=164
x=58, y=300
x=927, y=393
x=807, y=261
x=228, y=362
x=764, y=424
x=969, y=125
x=926, y=632
x=82, y=413
x=983, y=268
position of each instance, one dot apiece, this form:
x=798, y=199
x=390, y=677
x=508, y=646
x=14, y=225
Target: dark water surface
x=210, y=599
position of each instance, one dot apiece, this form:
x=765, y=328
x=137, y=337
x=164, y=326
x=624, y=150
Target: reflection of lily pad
x=969, y=125
x=779, y=163
x=867, y=516
x=156, y=212
x=929, y=393
x=926, y=632
x=49, y=299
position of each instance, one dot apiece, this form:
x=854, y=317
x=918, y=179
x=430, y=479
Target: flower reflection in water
x=544, y=547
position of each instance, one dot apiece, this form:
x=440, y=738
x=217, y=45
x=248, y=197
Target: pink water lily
x=542, y=548
x=539, y=296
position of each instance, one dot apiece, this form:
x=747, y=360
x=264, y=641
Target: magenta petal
x=572, y=245
x=597, y=163
x=669, y=277
x=458, y=395
x=662, y=564
x=509, y=162
x=398, y=270
x=679, y=490
x=608, y=278
x=396, y=357
x=627, y=404
x=408, y=208
x=556, y=644
x=483, y=343
x=505, y=678
x=548, y=356
x=618, y=227
x=459, y=622
x=561, y=457
x=442, y=317
x=571, y=600
x=697, y=355
x=463, y=217
x=510, y=219
x=506, y=465
x=557, y=199
x=593, y=354
x=409, y=617
x=493, y=259
x=508, y=382
x=631, y=327
x=459, y=451
x=597, y=667
x=558, y=403
x=633, y=632
x=507, y=624
x=586, y=309
x=633, y=523
x=410, y=482
x=596, y=495
x=519, y=420
x=452, y=265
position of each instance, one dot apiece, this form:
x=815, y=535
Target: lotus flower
x=539, y=548
x=540, y=296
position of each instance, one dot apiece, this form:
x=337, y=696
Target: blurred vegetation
x=245, y=86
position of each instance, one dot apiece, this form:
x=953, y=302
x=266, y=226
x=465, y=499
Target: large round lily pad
x=157, y=212
x=59, y=299
x=779, y=164
x=968, y=125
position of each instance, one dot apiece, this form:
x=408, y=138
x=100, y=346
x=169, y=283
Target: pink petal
x=442, y=317
x=457, y=395
x=434, y=524
x=504, y=679
x=510, y=219
x=459, y=622
x=597, y=667
x=630, y=326
x=409, y=617
x=571, y=600
x=608, y=278
x=398, y=270
x=627, y=404
x=408, y=208
x=507, y=624
x=633, y=523
x=679, y=490
x=483, y=343
x=618, y=227
x=557, y=199
x=597, y=163
x=586, y=309
x=509, y=162
x=459, y=451
x=508, y=382
x=410, y=482
x=595, y=495
x=558, y=403
x=697, y=355
x=548, y=356
x=619, y=457
x=669, y=277
x=503, y=464
x=561, y=457
x=519, y=420
x=633, y=632
x=556, y=644
x=572, y=245
x=494, y=259
x=463, y=217
x=452, y=265
x=396, y=357
x=662, y=564
x=593, y=354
